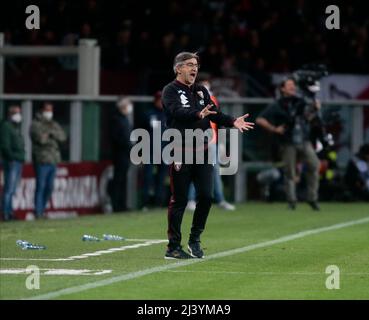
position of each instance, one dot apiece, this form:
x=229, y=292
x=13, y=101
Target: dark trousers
x=157, y=181
x=119, y=187
x=45, y=176
x=181, y=177
x=308, y=155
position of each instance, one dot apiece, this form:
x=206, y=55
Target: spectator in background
x=287, y=119
x=218, y=195
x=121, y=145
x=123, y=50
x=46, y=135
x=357, y=174
x=154, y=174
x=86, y=31
x=69, y=62
x=13, y=154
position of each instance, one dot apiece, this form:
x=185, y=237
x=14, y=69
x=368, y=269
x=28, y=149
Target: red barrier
x=79, y=188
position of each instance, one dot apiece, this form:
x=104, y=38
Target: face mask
x=48, y=115
x=16, y=117
x=129, y=108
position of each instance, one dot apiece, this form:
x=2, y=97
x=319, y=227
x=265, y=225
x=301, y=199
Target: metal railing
x=234, y=106
x=112, y=98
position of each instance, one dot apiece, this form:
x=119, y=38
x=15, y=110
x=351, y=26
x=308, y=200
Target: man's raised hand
x=206, y=111
x=242, y=125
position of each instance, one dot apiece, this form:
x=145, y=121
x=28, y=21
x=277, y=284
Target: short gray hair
x=183, y=56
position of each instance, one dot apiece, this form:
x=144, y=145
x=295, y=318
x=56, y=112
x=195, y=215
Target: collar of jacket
x=182, y=85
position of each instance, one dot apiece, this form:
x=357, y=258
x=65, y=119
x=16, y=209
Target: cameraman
x=288, y=118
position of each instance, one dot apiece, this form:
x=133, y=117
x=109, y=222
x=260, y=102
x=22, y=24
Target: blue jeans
x=12, y=176
x=218, y=184
x=45, y=175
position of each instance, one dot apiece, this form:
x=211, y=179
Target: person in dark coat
x=13, y=153
x=121, y=146
x=154, y=174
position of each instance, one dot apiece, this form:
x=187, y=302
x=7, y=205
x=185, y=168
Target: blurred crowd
x=236, y=36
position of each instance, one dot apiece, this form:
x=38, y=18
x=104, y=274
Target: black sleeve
x=268, y=113
x=121, y=134
x=173, y=106
x=220, y=118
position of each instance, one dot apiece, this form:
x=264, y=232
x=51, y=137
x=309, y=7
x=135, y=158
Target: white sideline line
x=34, y=259
x=266, y=273
x=144, y=272
x=59, y=272
x=123, y=248
x=138, y=240
x=96, y=253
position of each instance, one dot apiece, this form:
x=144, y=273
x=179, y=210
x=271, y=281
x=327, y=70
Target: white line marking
x=96, y=253
x=144, y=240
x=123, y=248
x=34, y=259
x=58, y=272
x=269, y=273
x=165, y=267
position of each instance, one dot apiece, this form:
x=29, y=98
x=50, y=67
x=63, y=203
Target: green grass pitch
x=292, y=268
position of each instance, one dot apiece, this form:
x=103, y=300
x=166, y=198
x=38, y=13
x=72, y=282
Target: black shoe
x=177, y=254
x=195, y=250
x=291, y=205
x=314, y=205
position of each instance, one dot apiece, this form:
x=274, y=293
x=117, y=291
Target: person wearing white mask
x=46, y=135
x=121, y=146
x=13, y=154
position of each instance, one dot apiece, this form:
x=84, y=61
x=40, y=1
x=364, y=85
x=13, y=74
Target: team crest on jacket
x=184, y=101
x=177, y=166
x=201, y=94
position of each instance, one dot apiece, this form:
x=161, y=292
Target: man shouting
x=188, y=106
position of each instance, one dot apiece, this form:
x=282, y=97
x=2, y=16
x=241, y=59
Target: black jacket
x=120, y=137
x=11, y=141
x=182, y=105
x=285, y=111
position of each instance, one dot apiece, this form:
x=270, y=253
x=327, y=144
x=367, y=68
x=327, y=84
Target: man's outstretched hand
x=242, y=125
x=206, y=111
